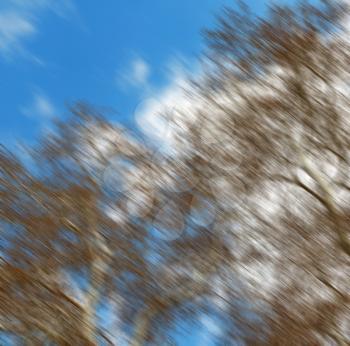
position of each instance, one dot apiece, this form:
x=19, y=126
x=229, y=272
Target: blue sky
x=112, y=53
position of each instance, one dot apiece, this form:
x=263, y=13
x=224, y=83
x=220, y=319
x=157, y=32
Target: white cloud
x=140, y=71
x=136, y=75
x=170, y=103
x=41, y=107
x=60, y=7
x=19, y=22
x=14, y=28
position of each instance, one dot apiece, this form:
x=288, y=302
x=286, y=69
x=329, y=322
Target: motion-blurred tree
x=57, y=236
x=76, y=233
x=274, y=132
x=253, y=207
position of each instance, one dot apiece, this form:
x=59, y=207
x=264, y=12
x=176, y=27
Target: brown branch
x=100, y=255
x=327, y=199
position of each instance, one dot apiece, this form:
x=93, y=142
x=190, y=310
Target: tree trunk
x=329, y=203
x=142, y=326
x=100, y=254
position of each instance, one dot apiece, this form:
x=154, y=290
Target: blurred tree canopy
x=250, y=217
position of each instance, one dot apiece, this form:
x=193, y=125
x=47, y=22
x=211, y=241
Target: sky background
x=111, y=53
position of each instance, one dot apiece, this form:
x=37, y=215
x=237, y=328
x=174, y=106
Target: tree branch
x=328, y=202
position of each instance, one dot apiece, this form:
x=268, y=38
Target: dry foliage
x=254, y=208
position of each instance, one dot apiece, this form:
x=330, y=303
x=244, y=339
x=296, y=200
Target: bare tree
x=57, y=233
x=253, y=208
x=76, y=229
x=274, y=133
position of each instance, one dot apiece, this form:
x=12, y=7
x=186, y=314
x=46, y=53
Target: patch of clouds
x=19, y=21
x=136, y=75
x=167, y=110
x=62, y=8
x=41, y=107
x=140, y=72
x=14, y=28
